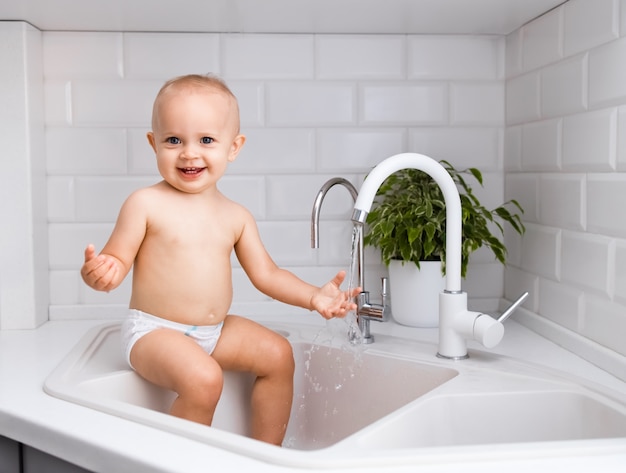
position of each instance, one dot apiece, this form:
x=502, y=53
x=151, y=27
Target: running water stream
x=346, y=329
x=354, y=332
x=342, y=333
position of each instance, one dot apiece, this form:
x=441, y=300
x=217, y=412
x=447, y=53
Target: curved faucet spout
x=315, y=219
x=317, y=205
x=366, y=311
x=450, y=194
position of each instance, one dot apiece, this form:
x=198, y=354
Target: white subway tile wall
x=454, y=57
x=621, y=139
x=564, y=87
x=542, y=112
x=541, y=145
x=542, y=41
x=607, y=73
x=312, y=107
x=620, y=272
x=522, y=98
x=562, y=199
x=566, y=90
x=589, y=141
x=588, y=24
x=360, y=57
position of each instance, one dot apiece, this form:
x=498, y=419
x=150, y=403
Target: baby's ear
x=235, y=147
x=150, y=137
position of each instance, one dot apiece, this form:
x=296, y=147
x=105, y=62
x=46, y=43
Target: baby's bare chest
x=192, y=232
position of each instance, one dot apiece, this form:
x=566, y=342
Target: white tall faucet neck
x=452, y=200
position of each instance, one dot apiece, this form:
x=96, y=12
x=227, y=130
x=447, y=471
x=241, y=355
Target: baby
x=179, y=234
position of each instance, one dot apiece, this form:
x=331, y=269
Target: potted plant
x=408, y=225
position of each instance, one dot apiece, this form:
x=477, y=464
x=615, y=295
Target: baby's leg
x=176, y=362
x=247, y=346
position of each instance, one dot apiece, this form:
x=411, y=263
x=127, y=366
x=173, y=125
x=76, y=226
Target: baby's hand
x=331, y=302
x=100, y=272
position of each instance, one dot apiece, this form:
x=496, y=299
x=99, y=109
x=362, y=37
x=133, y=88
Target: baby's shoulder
x=146, y=198
x=234, y=210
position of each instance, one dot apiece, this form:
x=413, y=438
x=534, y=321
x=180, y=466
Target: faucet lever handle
x=507, y=313
x=487, y=330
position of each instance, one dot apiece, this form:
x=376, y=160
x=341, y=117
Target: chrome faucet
x=456, y=323
x=366, y=310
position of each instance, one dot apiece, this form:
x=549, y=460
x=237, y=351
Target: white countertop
x=104, y=443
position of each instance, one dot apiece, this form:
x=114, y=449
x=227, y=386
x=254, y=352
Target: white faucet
x=456, y=323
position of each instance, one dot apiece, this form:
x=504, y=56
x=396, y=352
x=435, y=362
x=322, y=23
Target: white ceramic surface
x=393, y=398
x=330, y=385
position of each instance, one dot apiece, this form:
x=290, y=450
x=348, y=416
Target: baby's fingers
x=100, y=273
x=107, y=282
x=94, y=266
x=339, y=278
x=90, y=253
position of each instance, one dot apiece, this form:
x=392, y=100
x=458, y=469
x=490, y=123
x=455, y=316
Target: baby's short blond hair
x=198, y=81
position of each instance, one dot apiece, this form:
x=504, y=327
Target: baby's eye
x=173, y=140
x=205, y=140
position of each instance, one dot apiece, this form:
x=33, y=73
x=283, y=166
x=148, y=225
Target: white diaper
x=139, y=323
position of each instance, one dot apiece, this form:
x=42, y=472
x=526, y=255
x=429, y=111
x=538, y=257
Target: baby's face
x=195, y=136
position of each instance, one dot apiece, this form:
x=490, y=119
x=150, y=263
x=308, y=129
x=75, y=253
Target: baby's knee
x=281, y=356
x=205, y=385
x=211, y=379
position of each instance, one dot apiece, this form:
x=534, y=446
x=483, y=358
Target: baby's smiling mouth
x=191, y=171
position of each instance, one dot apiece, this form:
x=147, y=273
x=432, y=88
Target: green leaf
x=386, y=227
x=477, y=175
x=414, y=234
x=430, y=228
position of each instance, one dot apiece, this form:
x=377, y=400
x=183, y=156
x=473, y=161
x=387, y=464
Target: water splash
x=346, y=330
x=342, y=333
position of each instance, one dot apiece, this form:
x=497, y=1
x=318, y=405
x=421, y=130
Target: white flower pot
x=415, y=292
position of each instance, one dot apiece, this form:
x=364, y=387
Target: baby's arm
x=106, y=271
x=329, y=300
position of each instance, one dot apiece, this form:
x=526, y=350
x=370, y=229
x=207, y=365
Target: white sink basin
x=336, y=392
x=490, y=418
x=390, y=400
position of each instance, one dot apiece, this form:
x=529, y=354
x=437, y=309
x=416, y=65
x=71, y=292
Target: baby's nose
x=189, y=152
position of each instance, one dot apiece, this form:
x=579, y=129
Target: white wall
x=313, y=107
x=565, y=161
x=319, y=106
x=23, y=232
